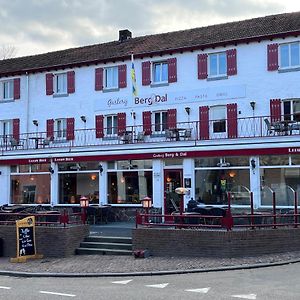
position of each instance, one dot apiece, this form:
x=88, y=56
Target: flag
x=133, y=78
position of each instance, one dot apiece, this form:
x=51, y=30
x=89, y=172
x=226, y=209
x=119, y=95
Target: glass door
x=172, y=201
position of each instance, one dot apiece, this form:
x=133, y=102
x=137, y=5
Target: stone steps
x=105, y=245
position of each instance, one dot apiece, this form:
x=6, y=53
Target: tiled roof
x=197, y=38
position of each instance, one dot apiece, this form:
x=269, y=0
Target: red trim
x=147, y=122
x=146, y=73
x=159, y=155
x=99, y=126
x=272, y=54
x=122, y=69
x=121, y=123
x=172, y=118
x=275, y=110
x=202, y=66
x=50, y=129
x=49, y=84
x=232, y=121
x=71, y=82
x=231, y=62
x=70, y=128
x=204, y=122
x=17, y=88
x=99, y=79
x=172, y=70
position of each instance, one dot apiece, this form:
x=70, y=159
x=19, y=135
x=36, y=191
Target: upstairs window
x=160, y=72
x=160, y=121
x=291, y=109
x=289, y=55
x=8, y=90
x=6, y=128
x=217, y=64
x=111, y=78
x=60, y=129
x=218, y=117
x=60, y=83
x=111, y=124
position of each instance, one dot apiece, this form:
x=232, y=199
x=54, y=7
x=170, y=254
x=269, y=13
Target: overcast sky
x=37, y=26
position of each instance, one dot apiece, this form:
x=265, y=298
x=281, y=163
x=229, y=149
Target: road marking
x=5, y=287
x=122, y=282
x=249, y=296
x=58, y=294
x=203, y=290
x=158, y=286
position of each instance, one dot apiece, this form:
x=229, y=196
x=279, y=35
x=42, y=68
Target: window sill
x=7, y=100
x=109, y=138
x=108, y=90
x=158, y=84
x=217, y=78
x=60, y=95
x=285, y=70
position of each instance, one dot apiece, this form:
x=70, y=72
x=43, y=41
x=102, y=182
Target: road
x=267, y=283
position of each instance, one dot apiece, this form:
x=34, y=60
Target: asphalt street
x=265, y=283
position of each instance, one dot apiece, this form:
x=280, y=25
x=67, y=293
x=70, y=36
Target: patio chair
x=187, y=133
x=276, y=127
x=140, y=137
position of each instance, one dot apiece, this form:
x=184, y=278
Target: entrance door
x=172, y=201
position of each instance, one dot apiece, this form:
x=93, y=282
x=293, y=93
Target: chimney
x=124, y=35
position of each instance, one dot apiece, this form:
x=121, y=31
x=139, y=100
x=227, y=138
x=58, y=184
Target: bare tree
x=7, y=51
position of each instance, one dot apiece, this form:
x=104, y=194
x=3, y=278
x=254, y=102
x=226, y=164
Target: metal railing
x=250, y=127
x=44, y=218
x=209, y=218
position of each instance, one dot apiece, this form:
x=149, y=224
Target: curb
x=150, y=273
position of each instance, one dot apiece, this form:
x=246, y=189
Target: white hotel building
x=217, y=110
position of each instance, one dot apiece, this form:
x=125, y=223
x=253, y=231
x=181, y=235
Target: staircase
x=105, y=245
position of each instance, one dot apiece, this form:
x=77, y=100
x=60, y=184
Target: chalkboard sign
x=26, y=237
x=26, y=240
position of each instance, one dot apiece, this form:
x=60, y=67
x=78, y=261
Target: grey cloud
x=55, y=24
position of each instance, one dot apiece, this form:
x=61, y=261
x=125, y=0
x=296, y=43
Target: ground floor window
x=30, y=189
x=129, y=187
x=282, y=181
x=213, y=185
x=74, y=185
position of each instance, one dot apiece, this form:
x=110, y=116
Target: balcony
x=190, y=133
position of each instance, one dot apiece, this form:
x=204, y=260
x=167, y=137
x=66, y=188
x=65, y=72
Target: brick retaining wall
x=50, y=241
x=213, y=243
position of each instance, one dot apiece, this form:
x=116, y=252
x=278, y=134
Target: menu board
x=26, y=237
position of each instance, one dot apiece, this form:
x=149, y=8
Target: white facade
x=252, y=83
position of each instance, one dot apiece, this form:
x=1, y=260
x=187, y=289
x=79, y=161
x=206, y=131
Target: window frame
x=161, y=126
x=161, y=63
x=289, y=66
x=218, y=74
x=111, y=129
x=56, y=83
x=222, y=123
x=6, y=123
x=60, y=134
x=114, y=77
x=10, y=90
x=289, y=109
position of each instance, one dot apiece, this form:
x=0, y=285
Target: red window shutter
x=49, y=84
x=99, y=79
x=121, y=123
x=146, y=73
x=70, y=128
x=231, y=62
x=275, y=110
x=172, y=118
x=71, y=82
x=272, y=57
x=99, y=126
x=232, y=120
x=122, y=69
x=16, y=129
x=147, y=122
x=17, y=88
x=172, y=70
x=204, y=122
x=50, y=129
x=202, y=66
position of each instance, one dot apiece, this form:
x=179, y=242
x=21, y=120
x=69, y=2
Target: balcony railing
x=251, y=127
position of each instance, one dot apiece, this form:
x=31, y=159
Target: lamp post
x=84, y=204
x=147, y=204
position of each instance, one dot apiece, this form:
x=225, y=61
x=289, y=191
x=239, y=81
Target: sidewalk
x=107, y=265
